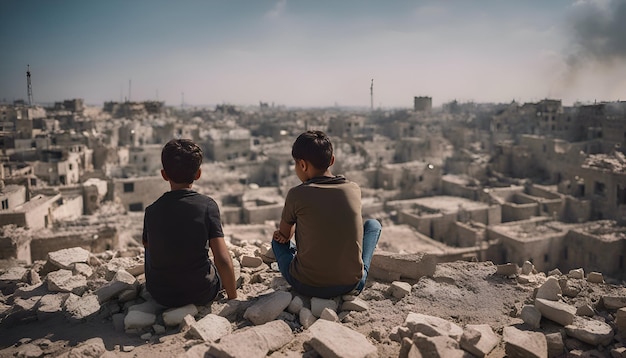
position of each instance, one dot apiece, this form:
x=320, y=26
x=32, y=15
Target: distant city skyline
x=314, y=53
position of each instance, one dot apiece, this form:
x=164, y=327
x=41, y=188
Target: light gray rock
x=619, y=352
x=29, y=350
x=585, y=310
x=65, y=281
x=268, y=308
x=259, y=341
x=479, y=339
x=318, y=305
x=531, y=316
x=527, y=268
x=590, y=331
x=251, y=261
x=555, y=344
x=133, y=265
x=329, y=315
x=210, y=328
x=524, y=344
x=555, y=272
x=333, y=340
x=356, y=304
x=437, y=347
x=121, y=282
x=64, y=259
x=79, y=308
x=50, y=305
x=403, y=265
x=550, y=289
x=399, y=289
x=578, y=273
x=138, y=320
x=81, y=268
x=174, y=316
x=150, y=306
x=558, y=312
x=620, y=321
x=508, y=269
x=306, y=318
x=432, y=326
x=13, y=275
x=295, y=305
x=595, y=277
x=614, y=302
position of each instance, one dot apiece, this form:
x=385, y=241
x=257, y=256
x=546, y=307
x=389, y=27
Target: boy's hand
x=279, y=237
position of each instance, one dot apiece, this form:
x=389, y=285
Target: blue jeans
x=285, y=253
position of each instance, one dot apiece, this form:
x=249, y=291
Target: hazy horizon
x=314, y=54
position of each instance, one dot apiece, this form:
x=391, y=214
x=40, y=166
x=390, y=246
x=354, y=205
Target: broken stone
x=520, y=343
x=570, y=288
x=79, y=308
x=121, y=281
x=251, y=261
x=65, y=281
x=138, y=320
x=174, y=316
x=399, y=289
x=595, y=277
x=333, y=340
x=620, y=321
x=150, y=306
x=576, y=273
x=531, y=316
x=93, y=347
x=527, y=268
x=318, y=305
x=438, y=346
x=64, y=259
x=507, y=269
x=306, y=318
x=555, y=272
x=613, y=302
x=49, y=305
x=406, y=265
x=29, y=350
x=590, y=331
x=550, y=290
x=432, y=326
x=585, y=310
x=555, y=344
x=556, y=311
x=479, y=339
x=356, y=304
x=268, y=308
x=81, y=268
x=295, y=305
x=133, y=265
x=329, y=315
x=210, y=328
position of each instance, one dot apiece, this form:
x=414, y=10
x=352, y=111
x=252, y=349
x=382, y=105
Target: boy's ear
x=303, y=164
x=164, y=175
x=332, y=160
x=198, y=174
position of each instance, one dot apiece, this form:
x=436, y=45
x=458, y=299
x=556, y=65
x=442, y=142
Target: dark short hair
x=315, y=147
x=181, y=159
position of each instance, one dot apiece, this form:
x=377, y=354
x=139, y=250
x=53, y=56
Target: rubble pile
x=402, y=313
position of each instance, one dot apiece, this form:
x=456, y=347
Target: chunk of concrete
x=399, y=289
x=614, y=302
x=432, y=326
x=65, y=281
x=508, y=269
x=620, y=321
x=518, y=343
x=356, y=304
x=306, y=318
x=50, y=305
x=121, y=282
x=210, y=328
x=329, y=315
x=595, y=277
x=80, y=308
x=527, y=268
x=558, y=312
x=93, y=347
x=138, y=320
x=479, y=339
x=531, y=316
x=318, y=305
x=550, y=289
x=555, y=344
x=268, y=308
x=590, y=331
x=578, y=273
x=411, y=266
x=437, y=346
x=295, y=305
x=66, y=258
x=333, y=340
x=251, y=261
x=174, y=316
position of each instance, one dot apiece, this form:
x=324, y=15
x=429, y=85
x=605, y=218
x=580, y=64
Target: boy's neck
x=321, y=173
x=179, y=186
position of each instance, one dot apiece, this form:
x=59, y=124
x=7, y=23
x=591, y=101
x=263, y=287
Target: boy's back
x=329, y=231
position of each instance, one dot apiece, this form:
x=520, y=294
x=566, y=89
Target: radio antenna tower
x=29, y=86
x=372, y=95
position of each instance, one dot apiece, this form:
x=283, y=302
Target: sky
x=320, y=53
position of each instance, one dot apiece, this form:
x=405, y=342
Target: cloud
x=278, y=10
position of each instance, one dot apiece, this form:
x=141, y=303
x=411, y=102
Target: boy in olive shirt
x=179, y=228
x=333, y=246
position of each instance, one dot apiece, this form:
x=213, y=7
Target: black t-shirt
x=176, y=231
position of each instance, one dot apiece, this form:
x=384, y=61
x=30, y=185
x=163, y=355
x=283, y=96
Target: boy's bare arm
x=224, y=265
x=284, y=232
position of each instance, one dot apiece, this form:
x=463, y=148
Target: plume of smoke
x=598, y=33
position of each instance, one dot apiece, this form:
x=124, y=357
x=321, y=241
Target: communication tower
x=372, y=95
x=29, y=86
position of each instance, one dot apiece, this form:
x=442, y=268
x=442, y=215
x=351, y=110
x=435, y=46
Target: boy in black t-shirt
x=178, y=230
